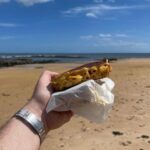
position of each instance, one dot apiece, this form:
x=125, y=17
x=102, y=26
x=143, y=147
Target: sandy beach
x=127, y=127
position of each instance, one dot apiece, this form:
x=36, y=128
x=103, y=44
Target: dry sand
x=127, y=127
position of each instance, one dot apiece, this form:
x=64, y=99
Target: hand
x=39, y=100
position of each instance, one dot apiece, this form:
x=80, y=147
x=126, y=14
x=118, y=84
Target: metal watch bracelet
x=33, y=121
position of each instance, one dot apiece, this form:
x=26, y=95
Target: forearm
x=17, y=134
x=23, y=138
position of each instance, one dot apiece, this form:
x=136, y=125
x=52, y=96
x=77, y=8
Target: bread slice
x=94, y=70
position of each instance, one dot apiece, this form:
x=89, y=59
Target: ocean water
x=69, y=57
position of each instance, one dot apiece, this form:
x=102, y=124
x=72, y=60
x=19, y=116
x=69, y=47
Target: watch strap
x=33, y=121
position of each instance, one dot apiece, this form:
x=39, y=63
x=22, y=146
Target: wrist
x=38, y=110
x=35, y=108
x=32, y=121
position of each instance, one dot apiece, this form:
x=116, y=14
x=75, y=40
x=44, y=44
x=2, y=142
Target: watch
x=33, y=121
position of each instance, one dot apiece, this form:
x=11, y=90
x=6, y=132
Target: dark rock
x=13, y=62
x=5, y=94
x=145, y=136
x=23, y=61
x=117, y=133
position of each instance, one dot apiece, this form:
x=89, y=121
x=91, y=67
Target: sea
x=71, y=57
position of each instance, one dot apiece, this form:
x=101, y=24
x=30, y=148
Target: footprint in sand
x=96, y=130
x=139, y=101
x=148, y=86
x=84, y=129
x=61, y=139
x=141, y=125
x=62, y=146
x=126, y=143
x=130, y=117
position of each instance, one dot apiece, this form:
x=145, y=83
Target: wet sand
x=127, y=127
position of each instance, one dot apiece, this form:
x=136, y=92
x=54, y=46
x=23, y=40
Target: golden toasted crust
x=95, y=70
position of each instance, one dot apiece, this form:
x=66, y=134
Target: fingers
x=68, y=114
x=48, y=74
x=46, y=77
x=65, y=116
x=56, y=119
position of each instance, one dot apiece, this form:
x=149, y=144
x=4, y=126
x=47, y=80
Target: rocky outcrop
x=22, y=61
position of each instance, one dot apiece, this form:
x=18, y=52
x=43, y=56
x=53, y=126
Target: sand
x=127, y=127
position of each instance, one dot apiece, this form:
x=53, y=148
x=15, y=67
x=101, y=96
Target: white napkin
x=91, y=99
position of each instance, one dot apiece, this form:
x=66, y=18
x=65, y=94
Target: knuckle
x=46, y=72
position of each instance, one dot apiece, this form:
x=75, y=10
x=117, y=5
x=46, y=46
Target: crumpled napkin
x=91, y=99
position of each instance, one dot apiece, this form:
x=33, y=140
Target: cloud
x=6, y=37
x=126, y=44
x=8, y=24
x=108, y=35
x=119, y=43
x=27, y=2
x=120, y=40
x=97, y=10
x=32, y=2
x=102, y=36
x=90, y=14
x=4, y=1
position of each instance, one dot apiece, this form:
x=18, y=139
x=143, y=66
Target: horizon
x=45, y=53
x=87, y=26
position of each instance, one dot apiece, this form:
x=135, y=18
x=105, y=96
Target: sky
x=74, y=26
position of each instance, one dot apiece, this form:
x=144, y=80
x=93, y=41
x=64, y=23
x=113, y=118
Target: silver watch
x=33, y=121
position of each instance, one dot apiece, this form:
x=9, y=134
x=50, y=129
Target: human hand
x=39, y=100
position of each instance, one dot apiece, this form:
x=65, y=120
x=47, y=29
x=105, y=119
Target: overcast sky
x=74, y=26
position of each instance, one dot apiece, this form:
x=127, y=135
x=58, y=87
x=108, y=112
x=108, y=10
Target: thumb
x=56, y=119
x=65, y=116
